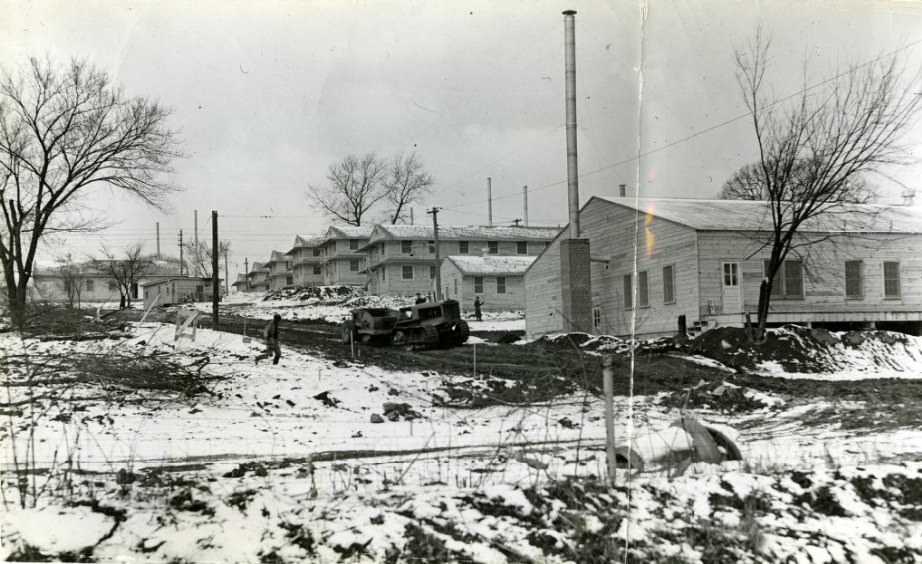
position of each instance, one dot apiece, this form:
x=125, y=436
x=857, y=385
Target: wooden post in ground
x=608, y=385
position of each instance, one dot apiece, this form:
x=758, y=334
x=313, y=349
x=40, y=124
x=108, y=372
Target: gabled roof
x=492, y=265
x=465, y=232
x=748, y=215
x=277, y=256
x=306, y=242
x=258, y=267
x=349, y=231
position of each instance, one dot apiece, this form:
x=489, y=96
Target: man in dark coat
x=271, y=335
x=420, y=299
x=477, y=313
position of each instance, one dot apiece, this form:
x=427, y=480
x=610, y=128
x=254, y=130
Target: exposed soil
x=550, y=367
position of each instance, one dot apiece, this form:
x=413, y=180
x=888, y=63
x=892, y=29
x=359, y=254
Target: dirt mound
x=609, y=344
x=323, y=294
x=796, y=349
x=719, y=396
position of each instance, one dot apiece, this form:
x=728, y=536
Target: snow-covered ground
x=283, y=463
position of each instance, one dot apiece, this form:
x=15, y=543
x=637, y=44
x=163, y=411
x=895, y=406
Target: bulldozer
x=425, y=324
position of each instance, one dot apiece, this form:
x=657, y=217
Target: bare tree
x=407, y=182
x=814, y=147
x=198, y=256
x=73, y=278
x=125, y=270
x=355, y=185
x=64, y=129
x=748, y=183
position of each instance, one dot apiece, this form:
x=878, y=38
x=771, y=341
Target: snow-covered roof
x=465, y=232
x=277, y=256
x=349, y=231
x=306, y=242
x=748, y=215
x=491, y=264
x=258, y=267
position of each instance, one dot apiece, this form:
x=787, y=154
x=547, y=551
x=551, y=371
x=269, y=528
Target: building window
x=464, y=247
x=353, y=244
x=89, y=285
x=891, y=279
x=478, y=284
x=669, y=284
x=431, y=247
x=289, y=280
x=407, y=273
x=317, y=251
x=317, y=269
x=113, y=286
x=596, y=317
x=643, y=292
x=353, y=266
x=493, y=247
x=406, y=247
x=383, y=274
x=789, y=280
x=288, y=265
x=521, y=247
x=854, y=279
x=456, y=287
x=500, y=284
x=628, y=290
x=431, y=273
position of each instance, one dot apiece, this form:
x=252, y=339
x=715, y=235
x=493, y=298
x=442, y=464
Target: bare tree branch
x=815, y=149
x=355, y=186
x=407, y=182
x=125, y=270
x=64, y=129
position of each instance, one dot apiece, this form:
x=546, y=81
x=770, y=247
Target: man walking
x=271, y=335
x=477, y=313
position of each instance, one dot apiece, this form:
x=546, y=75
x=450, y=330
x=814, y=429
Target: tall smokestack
x=525, y=195
x=489, y=201
x=575, y=267
x=569, y=23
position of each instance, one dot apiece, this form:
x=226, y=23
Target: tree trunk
x=17, y=299
x=121, y=301
x=762, y=313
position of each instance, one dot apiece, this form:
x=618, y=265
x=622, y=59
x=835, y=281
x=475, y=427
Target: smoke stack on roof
x=622, y=190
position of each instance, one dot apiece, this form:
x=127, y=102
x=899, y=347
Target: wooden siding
x=421, y=258
x=824, y=273
x=512, y=299
x=543, y=293
x=611, y=230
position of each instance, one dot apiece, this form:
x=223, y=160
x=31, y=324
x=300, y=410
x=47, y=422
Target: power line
x=703, y=131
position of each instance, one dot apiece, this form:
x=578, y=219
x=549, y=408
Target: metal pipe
x=570, y=79
x=525, y=196
x=489, y=201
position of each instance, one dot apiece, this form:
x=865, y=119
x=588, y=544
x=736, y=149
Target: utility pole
x=411, y=216
x=438, y=274
x=226, y=276
x=215, y=287
x=196, y=260
x=489, y=201
x=246, y=271
x=158, y=240
x=180, y=252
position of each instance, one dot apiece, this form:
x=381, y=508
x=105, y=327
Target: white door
x=731, y=288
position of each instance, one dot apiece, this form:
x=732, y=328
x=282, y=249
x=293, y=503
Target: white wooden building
x=499, y=281
x=705, y=259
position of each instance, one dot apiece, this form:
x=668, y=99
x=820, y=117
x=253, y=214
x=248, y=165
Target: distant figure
x=478, y=315
x=420, y=299
x=271, y=335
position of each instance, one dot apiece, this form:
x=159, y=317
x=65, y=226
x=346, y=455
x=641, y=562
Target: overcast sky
x=267, y=94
